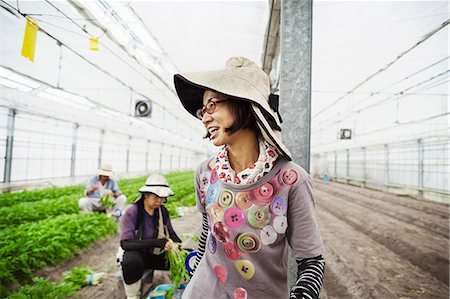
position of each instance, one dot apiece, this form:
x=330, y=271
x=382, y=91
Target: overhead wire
x=115, y=54
x=399, y=95
x=88, y=61
x=426, y=37
x=406, y=123
x=120, y=58
x=347, y=112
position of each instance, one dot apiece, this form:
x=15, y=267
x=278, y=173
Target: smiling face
x=216, y=122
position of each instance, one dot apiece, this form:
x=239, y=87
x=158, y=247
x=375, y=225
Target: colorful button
x=221, y=273
x=212, y=244
x=226, y=198
x=213, y=193
x=221, y=232
x=240, y=293
x=268, y=235
x=214, y=177
x=280, y=224
x=216, y=212
x=234, y=218
x=248, y=242
x=231, y=251
x=278, y=206
x=204, y=181
x=245, y=269
x=243, y=200
x=263, y=195
x=258, y=216
x=289, y=176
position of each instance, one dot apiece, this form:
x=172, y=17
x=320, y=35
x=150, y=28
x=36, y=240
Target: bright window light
x=21, y=80
x=60, y=100
x=107, y=112
x=14, y=85
x=65, y=97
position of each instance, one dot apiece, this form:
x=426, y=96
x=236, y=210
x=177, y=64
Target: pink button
x=221, y=273
x=240, y=293
x=263, y=195
x=289, y=176
x=231, y=251
x=234, y=218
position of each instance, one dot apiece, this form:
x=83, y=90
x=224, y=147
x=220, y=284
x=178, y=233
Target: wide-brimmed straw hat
x=241, y=79
x=158, y=185
x=106, y=170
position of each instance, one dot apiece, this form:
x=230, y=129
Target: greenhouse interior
x=359, y=101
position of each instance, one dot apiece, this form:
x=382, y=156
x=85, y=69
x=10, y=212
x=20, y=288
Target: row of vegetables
x=46, y=229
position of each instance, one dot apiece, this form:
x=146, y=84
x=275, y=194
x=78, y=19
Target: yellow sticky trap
x=29, y=39
x=93, y=43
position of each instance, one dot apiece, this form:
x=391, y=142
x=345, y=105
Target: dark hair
x=243, y=117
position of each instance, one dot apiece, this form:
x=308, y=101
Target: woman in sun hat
x=145, y=231
x=255, y=201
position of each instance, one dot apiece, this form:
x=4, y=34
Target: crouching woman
x=144, y=234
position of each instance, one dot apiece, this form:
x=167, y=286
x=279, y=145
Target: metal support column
x=420, y=159
x=9, y=145
x=364, y=167
x=347, y=165
x=146, y=155
x=171, y=156
x=386, y=167
x=295, y=87
x=335, y=166
x=74, y=149
x=100, y=149
x=161, y=156
x=127, y=162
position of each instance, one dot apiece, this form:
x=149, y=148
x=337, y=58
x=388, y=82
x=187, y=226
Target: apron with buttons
x=246, y=252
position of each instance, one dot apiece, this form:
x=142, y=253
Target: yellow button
x=245, y=269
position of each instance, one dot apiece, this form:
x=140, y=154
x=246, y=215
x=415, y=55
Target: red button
x=221, y=273
x=231, y=251
x=221, y=232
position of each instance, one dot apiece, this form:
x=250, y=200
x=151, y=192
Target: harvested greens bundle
x=107, y=200
x=175, y=258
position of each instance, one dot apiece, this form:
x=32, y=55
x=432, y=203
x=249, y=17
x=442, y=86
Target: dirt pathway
x=382, y=247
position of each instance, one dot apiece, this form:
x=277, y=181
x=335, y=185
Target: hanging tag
x=29, y=39
x=93, y=43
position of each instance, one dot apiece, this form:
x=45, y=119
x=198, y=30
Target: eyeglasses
x=210, y=107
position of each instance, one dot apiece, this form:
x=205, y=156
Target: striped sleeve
x=202, y=242
x=309, y=278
